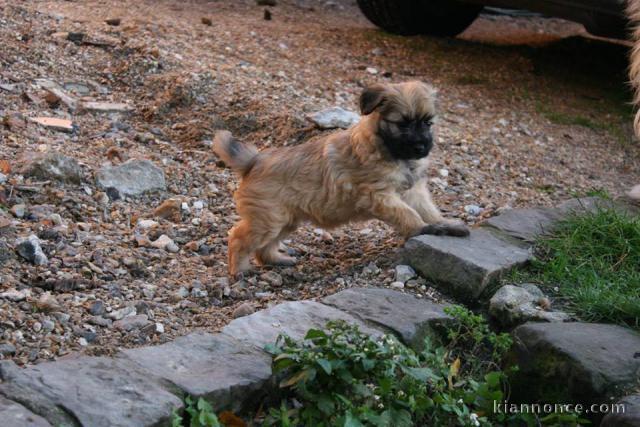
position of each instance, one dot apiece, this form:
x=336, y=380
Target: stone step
x=410, y=318
x=464, y=266
x=228, y=374
x=13, y=414
x=531, y=223
x=581, y=362
x=91, y=391
x=628, y=416
x=292, y=318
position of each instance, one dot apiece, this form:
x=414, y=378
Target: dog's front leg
x=390, y=208
x=419, y=198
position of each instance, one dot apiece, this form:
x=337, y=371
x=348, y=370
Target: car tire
x=443, y=18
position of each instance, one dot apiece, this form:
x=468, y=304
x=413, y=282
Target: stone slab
x=628, y=416
x=13, y=414
x=227, y=373
x=132, y=178
x=292, y=318
x=525, y=224
x=412, y=319
x=584, y=362
x=91, y=391
x=464, y=266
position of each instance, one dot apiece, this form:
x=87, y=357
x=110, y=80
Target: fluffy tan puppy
x=376, y=169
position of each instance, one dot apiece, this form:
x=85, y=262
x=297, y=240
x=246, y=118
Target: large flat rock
x=525, y=224
x=13, y=414
x=582, y=362
x=227, y=373
x=91, y=391
x=626, y=413
x=293, y=318
x=464, y=266
x=132, y=178
x=531, y=223
x=412, y=319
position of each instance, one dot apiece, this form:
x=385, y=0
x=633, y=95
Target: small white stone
x=145, y=224
x=443, y=172
x=198, y=205
x=397, y=285
x=159, y=328
x=372, y=71
x=83, y=342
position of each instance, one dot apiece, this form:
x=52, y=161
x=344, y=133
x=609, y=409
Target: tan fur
x=344, y=177
x=633, y=11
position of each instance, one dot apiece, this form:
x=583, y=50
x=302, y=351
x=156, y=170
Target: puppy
x=375, y=169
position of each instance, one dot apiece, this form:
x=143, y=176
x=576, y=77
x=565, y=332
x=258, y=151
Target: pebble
x=48, y=325
x=37, y=327
x=166, y=243
x=15, y=295
x=83, y=342
x=634, y=193
x=159, y=328
x=47, y=303
x=122, y=313
x=97, y=308
x=131, y=322
x=273, y=278
x=403, y=273
x=18, y=210
x=145, y=224
x=397, y=285
x=371, y=70
x=370, y=270
x=29, y=248
x=7, y=349
x=198, y=205
x=473, y=210
x=243, y=309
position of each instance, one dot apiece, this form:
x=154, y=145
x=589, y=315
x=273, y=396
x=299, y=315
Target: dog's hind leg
x=240, y=248
x=271, y=255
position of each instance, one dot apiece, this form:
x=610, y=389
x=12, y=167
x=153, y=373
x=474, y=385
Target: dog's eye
x=428, y=121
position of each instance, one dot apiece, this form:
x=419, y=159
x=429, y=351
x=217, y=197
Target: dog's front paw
x=453, y=228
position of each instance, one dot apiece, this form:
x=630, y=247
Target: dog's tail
x=633, y=11
x=236, y=155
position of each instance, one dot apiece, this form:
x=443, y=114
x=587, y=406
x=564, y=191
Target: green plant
x=342, y=377
x=592, y=261
x=199, y=414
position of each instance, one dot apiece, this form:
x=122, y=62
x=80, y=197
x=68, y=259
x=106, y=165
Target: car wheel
x=410, y=17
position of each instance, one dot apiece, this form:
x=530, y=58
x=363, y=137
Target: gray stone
x=92, y=391
x=464, y=266
x=529, y=224
x=334, y=117
x=634, y=193
x=293, y=318
x=411, y=318
x=7, y=349
x=227, y=373
x=583, y=362
x=132, y=178
x=629, y=416
x=525, y=224
x=29, y=248
x=54, y=166
x=14, y=414
x=512, y=305
x=130, y=323
x=404, y=273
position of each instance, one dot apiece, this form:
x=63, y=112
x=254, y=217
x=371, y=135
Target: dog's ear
x=371, y=98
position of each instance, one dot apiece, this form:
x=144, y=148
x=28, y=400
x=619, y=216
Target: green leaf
x=420, y=374
x=493, y=379
x=351, y=420
x=326, y=405
x=315, y=333
x=325, y=365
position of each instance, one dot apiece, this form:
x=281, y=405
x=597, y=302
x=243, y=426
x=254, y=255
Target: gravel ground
x=532, y=113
